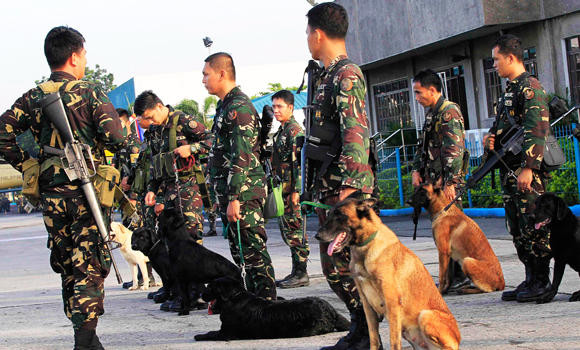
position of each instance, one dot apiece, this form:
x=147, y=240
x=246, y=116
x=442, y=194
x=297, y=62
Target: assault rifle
x=514, y=139
x=265, y=152
x=74, y=164
x=307, y=173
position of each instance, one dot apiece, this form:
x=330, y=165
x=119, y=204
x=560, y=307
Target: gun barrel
x=54, y=109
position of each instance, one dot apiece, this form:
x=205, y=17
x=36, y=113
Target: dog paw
x=575, y=296
x=144, y=287
x=133, y=287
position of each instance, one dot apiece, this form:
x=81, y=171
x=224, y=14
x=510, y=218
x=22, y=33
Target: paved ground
x=31, y=308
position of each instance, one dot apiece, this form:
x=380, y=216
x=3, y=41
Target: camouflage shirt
x=235, y=169
x=286, y=156
x=442, y=155
x=526, y=101
x=352, y=168
x=126, y=158
x=93, y=120
x=189, y=131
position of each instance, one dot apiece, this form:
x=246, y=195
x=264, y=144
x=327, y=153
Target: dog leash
x=242, y=262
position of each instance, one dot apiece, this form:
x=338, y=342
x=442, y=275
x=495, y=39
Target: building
x=393, y=40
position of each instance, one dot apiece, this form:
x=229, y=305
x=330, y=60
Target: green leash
x=316, y=205
x=243, y=264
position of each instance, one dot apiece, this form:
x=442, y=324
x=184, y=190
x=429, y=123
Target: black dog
x=146, y=241
x=191, y=263
x=552, y=211
x=246, y=316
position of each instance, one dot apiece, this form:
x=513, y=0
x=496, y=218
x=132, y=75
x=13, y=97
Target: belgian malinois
x=458, y=237
x=391, y=280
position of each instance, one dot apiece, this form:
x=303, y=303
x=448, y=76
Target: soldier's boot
x=300, y=278
x=86, y=339
x=288, y=276
x=212, y=228
x=357, y=336
x=540, y=284
x=457, y=277
x=511, y=295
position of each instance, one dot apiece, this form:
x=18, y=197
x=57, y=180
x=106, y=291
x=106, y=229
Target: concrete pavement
x=31, y=308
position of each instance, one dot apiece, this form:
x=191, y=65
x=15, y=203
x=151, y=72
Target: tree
x=99, y=76
x=273, y=87
x=209, y=105
x=191, y=107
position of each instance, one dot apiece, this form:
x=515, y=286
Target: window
x=454, y=83
x=573, y=54
x=493, y=87
x=392, y=105
x=530, y=61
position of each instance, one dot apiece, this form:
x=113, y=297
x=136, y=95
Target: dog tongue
x=538, y=225
x=337, y=240
x=210, y=307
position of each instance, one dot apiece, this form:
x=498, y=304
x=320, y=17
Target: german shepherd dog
x=246, y=316
x=458, y=237
x=552, y=211
x=390, y=279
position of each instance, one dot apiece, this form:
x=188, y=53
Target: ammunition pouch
x=323, y=146
x=105, y=181
x=163, y=166
x=139, y=184
x=30, y=180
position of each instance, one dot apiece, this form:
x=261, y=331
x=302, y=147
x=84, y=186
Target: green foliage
x=99, y=76
x=273, y=87
x=209, y=103
x=190, y=107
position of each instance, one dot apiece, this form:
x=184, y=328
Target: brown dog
x=458, y=237
x=391, y=280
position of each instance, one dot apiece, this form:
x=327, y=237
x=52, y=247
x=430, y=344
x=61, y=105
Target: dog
x=122, y=235
x=246, y=316
x=458, y=237
x=552, y=211
x=391, y=280
x=192, y=264
x=150, y=244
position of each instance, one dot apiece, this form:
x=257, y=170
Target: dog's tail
x=341, y=323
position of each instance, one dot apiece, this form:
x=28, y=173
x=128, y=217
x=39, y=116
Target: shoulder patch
x=192, y=124
x=529, y=93
x=233, y=114
x=346, y=84
x=447, y=116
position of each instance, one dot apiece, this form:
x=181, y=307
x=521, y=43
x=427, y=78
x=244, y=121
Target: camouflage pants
x=260, y=278
x=291, y=229
x=335, y=267
x=78, y=255
x=211, y=217
x=190, y=203
x=528, y=241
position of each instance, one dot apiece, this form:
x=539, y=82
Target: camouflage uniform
x=351, y=169
x=189, y=131
x=77, y=251
x=527, y=100
x=125, y=161
x=444, y=135
x=237, y=174
x=286, y=166
x=211, y=213
x=143, y=170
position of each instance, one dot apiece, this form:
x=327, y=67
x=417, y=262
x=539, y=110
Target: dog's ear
x=363, y=207
x=561, y=208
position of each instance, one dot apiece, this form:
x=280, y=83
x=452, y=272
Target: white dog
x=122, y=235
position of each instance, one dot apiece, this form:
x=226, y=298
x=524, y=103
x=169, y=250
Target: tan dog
x=391, y=280
x=458, y=237
x=122, y=235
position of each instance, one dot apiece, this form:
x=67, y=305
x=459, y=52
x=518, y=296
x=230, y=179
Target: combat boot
x=300, y=278
x=540, y=285
x=357, y=336
x=511, y=295
x=86, y=339
x=289, y=276
x=458, y=279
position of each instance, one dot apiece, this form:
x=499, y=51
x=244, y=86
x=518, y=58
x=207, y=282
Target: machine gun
x=513, y=145
x=74, y=164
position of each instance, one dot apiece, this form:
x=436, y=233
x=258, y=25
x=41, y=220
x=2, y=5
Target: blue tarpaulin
x=123, y=95
x=260, y=102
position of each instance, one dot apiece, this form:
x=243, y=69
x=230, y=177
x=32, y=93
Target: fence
x=395, y=166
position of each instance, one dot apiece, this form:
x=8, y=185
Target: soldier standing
x=524, y=103
x=339, y=103
x=286, y=165
x=439, y=159
x=77, y=248
x=237, y=175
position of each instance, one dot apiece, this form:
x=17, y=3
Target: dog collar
x=368, y=240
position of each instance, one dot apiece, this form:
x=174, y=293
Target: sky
x=147, y=38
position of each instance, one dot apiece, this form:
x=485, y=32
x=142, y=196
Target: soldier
x=237, y=175
x=176, y=142
x=524, y=103
x=78, y=252
x=286, y=166
x=439, y=159
x=339, y=104
x=211, y=210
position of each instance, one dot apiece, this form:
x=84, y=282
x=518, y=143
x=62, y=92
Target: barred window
x=573, y=54
x=392, y=105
